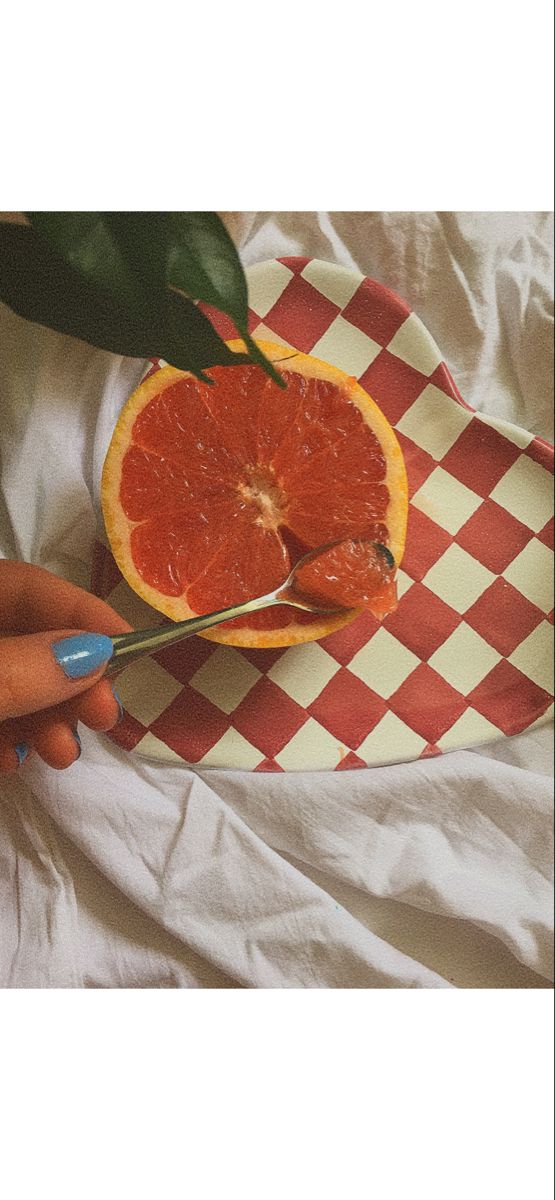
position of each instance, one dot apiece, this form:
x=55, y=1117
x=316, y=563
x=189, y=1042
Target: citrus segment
x=151, y=484
x=309, y=516
x=178, y=426
x=234, y=403
x=323, y=423
x=275, y=418
x=211, y=492
x=173, y=548
x=354, y=574
x=258, y=564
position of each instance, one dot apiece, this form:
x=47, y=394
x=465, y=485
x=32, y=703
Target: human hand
x=47, y=682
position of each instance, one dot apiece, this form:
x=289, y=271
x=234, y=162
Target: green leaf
x=201, y=337
x=87, y=244
x=143, y=239
x=204, y=263
x=39, y=285
x=142, y=258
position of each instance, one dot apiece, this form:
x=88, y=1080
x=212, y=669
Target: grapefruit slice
x=211, y=493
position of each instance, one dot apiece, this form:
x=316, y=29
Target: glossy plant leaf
x=141, y=259
x=37, y=283
x=103, y=278
x=203, y=262
x=86, y=243
x=143, y=239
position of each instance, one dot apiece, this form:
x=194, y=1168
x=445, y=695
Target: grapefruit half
x=210, y=493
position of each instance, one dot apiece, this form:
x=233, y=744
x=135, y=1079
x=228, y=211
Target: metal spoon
x=128, y=647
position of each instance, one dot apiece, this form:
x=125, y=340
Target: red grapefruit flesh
x=211, y=493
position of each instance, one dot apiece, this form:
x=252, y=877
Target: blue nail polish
x=120, y=706
x=22, y=751
x=82, y=654
x=78, y=740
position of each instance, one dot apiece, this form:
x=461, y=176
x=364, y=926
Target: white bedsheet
x=431, y=874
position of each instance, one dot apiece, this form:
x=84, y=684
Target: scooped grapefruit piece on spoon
x=354, y=573
x=212, y=492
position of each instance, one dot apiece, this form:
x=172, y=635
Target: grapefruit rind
x=119, y=527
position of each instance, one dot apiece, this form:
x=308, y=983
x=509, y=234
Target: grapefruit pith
x=210, y=493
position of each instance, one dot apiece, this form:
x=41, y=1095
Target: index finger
x=32, y=599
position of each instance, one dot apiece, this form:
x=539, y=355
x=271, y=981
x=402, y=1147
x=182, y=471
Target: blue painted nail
x=82, y=654
x=120, y=706
x=78, y=740
x=22, y=751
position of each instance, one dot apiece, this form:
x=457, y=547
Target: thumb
x=41, y=669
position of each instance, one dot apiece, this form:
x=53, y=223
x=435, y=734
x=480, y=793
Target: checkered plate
x=467, y=656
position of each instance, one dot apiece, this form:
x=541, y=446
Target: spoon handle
x=130, y=646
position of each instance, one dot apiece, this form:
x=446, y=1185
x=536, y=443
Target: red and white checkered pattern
x=466, y=657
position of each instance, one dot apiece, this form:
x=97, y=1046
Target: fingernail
x=22, y=751
x=78, y=740
x=82, y=654
x=120, y=706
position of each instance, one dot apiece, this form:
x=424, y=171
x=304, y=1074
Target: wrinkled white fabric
x=119, y=873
